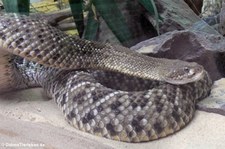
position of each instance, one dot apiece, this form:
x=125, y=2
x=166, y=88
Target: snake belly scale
x=103, y=89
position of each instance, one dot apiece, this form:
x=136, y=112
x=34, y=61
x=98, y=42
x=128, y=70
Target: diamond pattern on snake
x=103, y=89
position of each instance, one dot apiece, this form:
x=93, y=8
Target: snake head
x=184, y=72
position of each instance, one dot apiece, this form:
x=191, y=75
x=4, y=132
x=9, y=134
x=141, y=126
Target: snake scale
x=103, y=89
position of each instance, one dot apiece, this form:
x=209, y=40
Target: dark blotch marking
x=42, y=40
x=74, y=83
x=188, y=110
x=77, y=97
x=87, y=63
x=135, y=124
x=61, y=46
x=20, y=47
x=140, y=117
x=149, y=133
x=117, y=103
x=36, y=51
x=113, y=107
x=110, y=128
x=4, y=37
x=39, y=56
x=57, y=95
x=83, y=93
x=159, y=109
x=27, y=53
x=4, y=26
x=175, y=108
x=63, y=75
x=71, y=114
x=93, y=93
x=68, y=117
x=90, y=115
x=53, y=46
x=95, y=98
x=143, y=102
x=105, y=92
x=19, y=41
x=176, y=116
x=100, y=95
x=63, y=101
x=139, y=100
x=53, y=87
x=1, y=34
x=57, y=38
x=86, y=52
x=158, y=104
x=56, y=56
x=84, y=120
x=80, y=101
x=97, y=129
x=130, y=134
x=158, y=127
x=171, y=96
x=99, y=108
x=10, y=47
x=88, y=86
x=134, y=105
x=19, y=60
x=116, y=111
x=16, y=30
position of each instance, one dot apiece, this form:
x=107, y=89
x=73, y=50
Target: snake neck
x=40, y=42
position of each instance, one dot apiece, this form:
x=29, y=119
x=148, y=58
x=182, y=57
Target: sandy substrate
x=28, y=119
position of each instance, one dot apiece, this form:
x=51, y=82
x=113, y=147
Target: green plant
x=109, y=11
x=17, y=6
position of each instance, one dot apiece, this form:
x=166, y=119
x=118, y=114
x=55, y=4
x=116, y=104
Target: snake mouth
x=179, y=80
x=198, y=76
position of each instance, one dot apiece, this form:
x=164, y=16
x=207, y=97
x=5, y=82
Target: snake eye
x=186, y=70
x=189, y=71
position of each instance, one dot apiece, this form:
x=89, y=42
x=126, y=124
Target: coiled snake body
x=102, y=89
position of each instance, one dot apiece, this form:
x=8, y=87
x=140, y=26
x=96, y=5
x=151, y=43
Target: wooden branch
x=66, y=26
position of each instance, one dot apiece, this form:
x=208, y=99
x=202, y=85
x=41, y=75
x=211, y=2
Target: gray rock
x=205, y=49
x=216, y=101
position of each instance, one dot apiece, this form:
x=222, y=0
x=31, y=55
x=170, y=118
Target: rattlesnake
x=102, y=89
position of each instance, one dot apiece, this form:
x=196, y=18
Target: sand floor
x=28, y=120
